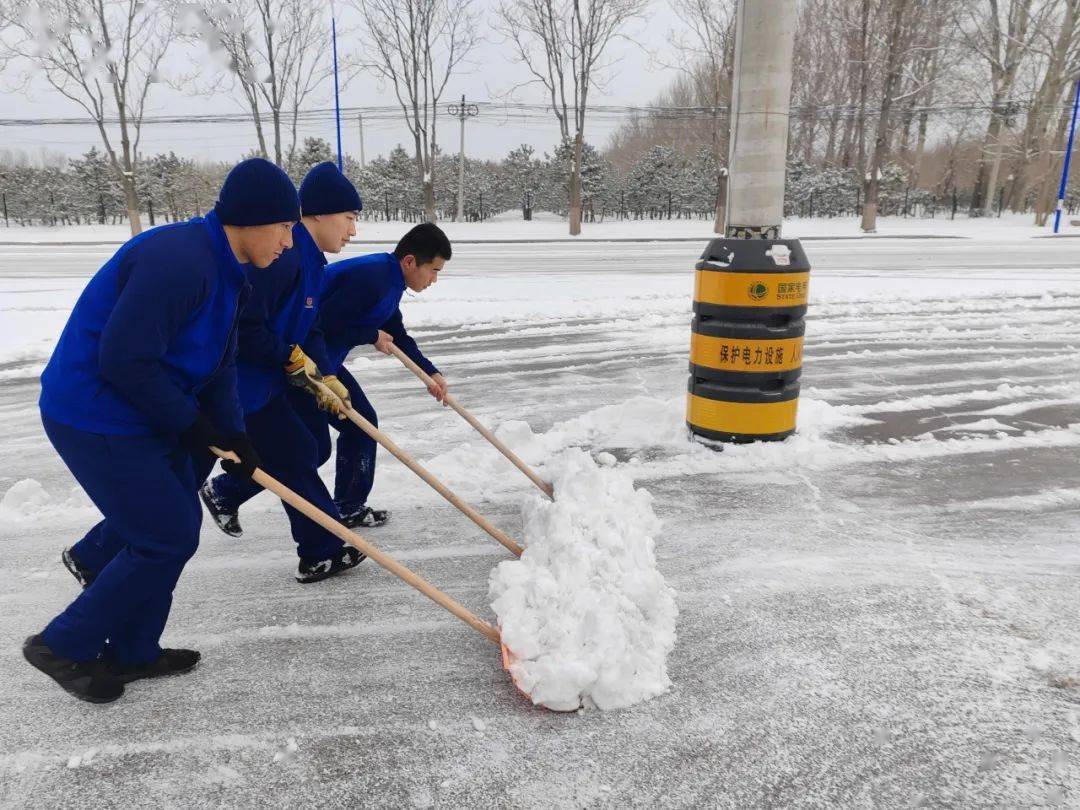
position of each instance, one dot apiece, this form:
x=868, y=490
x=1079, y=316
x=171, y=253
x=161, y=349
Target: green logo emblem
x=758, y=290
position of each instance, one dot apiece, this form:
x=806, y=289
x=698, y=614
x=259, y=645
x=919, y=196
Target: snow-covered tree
x=97, y=191
x=388, y=187
x=654, y=182
x=523, y=172
x=596, y=181
x=313, y=152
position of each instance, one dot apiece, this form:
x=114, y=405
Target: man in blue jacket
x=281, y=353
x=141, y=383
x=360, y=306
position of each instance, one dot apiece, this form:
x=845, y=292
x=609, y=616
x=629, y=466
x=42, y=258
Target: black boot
x=170, y=662
x=228, y=522
x=365, y=516
x=311, y=570
x=87, y=680
x=84, y=575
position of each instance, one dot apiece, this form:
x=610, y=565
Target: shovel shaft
x=316, y=515
x=432, y=481
x=472, y=420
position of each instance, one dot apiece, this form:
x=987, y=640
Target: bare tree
x=1059, y=45
x=711, y=24
x=840, y=38
x=831, y=67
x=102, y=55
x=1000, y=38
x=930, y=60
x=416, y=46
x=896, y=56
x=864, y=79
x=562, y=43
x=277, y=51
x=815, y=80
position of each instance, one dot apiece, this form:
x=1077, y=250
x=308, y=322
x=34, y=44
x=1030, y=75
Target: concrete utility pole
x=462, y=112
x=750, y=288
x=360, y=121
x=761, y=106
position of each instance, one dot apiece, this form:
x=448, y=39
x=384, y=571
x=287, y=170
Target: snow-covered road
x=881, y=611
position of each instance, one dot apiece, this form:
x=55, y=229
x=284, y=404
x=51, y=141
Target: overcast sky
x=637, y=76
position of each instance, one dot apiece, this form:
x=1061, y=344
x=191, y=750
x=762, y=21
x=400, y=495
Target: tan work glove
x=335, y=385
x=302, y=372
x=301, y=369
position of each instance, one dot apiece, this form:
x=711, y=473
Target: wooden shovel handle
x=316, y=515
x=428, y=478
x=545, y=487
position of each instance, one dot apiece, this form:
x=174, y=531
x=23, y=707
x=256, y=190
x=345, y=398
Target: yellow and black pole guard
x=746, y=342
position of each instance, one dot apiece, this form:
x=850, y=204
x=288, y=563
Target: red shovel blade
x=507, y=659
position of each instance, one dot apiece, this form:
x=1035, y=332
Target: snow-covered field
x=546, y=227
x=883, y=610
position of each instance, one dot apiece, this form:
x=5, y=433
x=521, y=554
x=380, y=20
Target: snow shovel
x=430, y=479
x=318, y=516
x=545, y=487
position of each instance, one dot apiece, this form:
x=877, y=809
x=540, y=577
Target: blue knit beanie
x=325, y=190
x=257, y=192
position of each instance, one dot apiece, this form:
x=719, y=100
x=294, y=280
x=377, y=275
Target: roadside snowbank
x=510, y=226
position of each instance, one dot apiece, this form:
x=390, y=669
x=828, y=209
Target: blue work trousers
x=146, y=487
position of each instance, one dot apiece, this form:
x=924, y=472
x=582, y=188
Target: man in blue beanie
x=281, y=354
x=141, y=383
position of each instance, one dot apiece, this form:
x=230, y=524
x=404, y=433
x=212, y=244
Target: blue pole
x=337, y=102
x=1068, y=159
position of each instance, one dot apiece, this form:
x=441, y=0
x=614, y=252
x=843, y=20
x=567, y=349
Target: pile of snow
x=27, y=501
x=26, y=497
x=585, y=614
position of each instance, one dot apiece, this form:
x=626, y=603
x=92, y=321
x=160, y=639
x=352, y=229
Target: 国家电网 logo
x=758, y=290
x=791, y=291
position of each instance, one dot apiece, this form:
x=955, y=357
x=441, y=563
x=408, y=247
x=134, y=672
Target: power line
x=542, y=112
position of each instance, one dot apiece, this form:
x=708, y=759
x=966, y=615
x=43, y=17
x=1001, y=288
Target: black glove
x=200, y=434
x=249, y=459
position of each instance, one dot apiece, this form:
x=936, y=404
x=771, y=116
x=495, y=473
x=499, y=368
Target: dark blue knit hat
x=257, y=192
x=325, y=190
